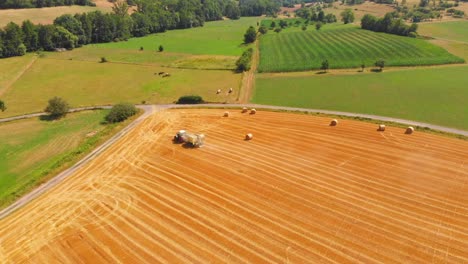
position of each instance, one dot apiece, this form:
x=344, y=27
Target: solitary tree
x=2, y=106
x=304, y=28
x=161, y=48
x=263, y=30
x=347, y=16
x=380, y=64
x=325, y=66
x=57, y=107
x=318, y=25
x=250, y=35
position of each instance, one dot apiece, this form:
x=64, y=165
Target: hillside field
x=300, y=192
x=453, y=30
x=11, y=69
x=44, y=15
x=346, y=47
x=433, y=95
x=32, y=148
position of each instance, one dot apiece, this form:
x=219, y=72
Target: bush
x=120, y=112
x=263, y=30
x=190, y=99
x=278, y=30
x=2, y=106
x=103, y=60
x=57, y=107
x=243, y=63
x=161, y=48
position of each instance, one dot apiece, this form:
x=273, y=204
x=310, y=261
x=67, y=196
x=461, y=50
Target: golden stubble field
x=300, y=191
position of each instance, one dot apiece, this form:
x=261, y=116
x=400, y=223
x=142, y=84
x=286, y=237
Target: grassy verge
x=37, y=150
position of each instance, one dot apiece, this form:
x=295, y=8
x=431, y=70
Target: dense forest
x=17, y=4
x=151, y=16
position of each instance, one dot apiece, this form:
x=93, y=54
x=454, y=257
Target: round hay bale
x=245, y=110
x=253, y=111
x=409, y=130
x=381, y=128
x=248, y=136
x=226, y=114
x=334, y=122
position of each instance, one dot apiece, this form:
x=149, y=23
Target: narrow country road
x=149, y=109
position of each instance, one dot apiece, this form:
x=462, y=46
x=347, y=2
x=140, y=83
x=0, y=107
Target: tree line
x=151, y=16
x=315, y=14
x=18, y=4
x=388, y=24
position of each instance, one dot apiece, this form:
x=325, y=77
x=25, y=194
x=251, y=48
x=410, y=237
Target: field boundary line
x=248, y=80
x=18, y=76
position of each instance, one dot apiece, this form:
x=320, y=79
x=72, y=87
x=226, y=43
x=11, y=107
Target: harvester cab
x=179, y=137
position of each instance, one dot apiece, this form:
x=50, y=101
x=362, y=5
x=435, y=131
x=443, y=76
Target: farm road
x=149, y=109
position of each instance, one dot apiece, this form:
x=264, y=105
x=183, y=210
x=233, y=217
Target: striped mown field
x=345, y=47
x=299, y=192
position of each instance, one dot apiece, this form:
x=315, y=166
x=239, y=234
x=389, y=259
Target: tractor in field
x=193, y=140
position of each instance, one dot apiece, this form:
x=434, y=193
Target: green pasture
x=214, y=38
x=87, y=83
x=433, y=95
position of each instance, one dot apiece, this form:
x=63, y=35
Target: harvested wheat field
x=299, y=191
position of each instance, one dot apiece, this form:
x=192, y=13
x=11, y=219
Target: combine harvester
x=195, y=140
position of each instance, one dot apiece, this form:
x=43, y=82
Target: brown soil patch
x=300, y=191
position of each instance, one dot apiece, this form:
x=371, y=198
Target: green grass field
x=11, y=68
x=433, y=95
x=214, y=38
x=345, y=47
x=145, y=57
x=453, y=30
x=32, y=148
x=84, y=83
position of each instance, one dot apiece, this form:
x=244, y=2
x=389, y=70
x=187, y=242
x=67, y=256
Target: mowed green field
x=85, y=83
x=453, y=30
x=31, y=148
x=12, y=68
x=346, y=47
x=214, y=38
x=433, y=95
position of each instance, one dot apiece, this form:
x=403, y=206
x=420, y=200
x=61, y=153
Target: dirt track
x=300, y=191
